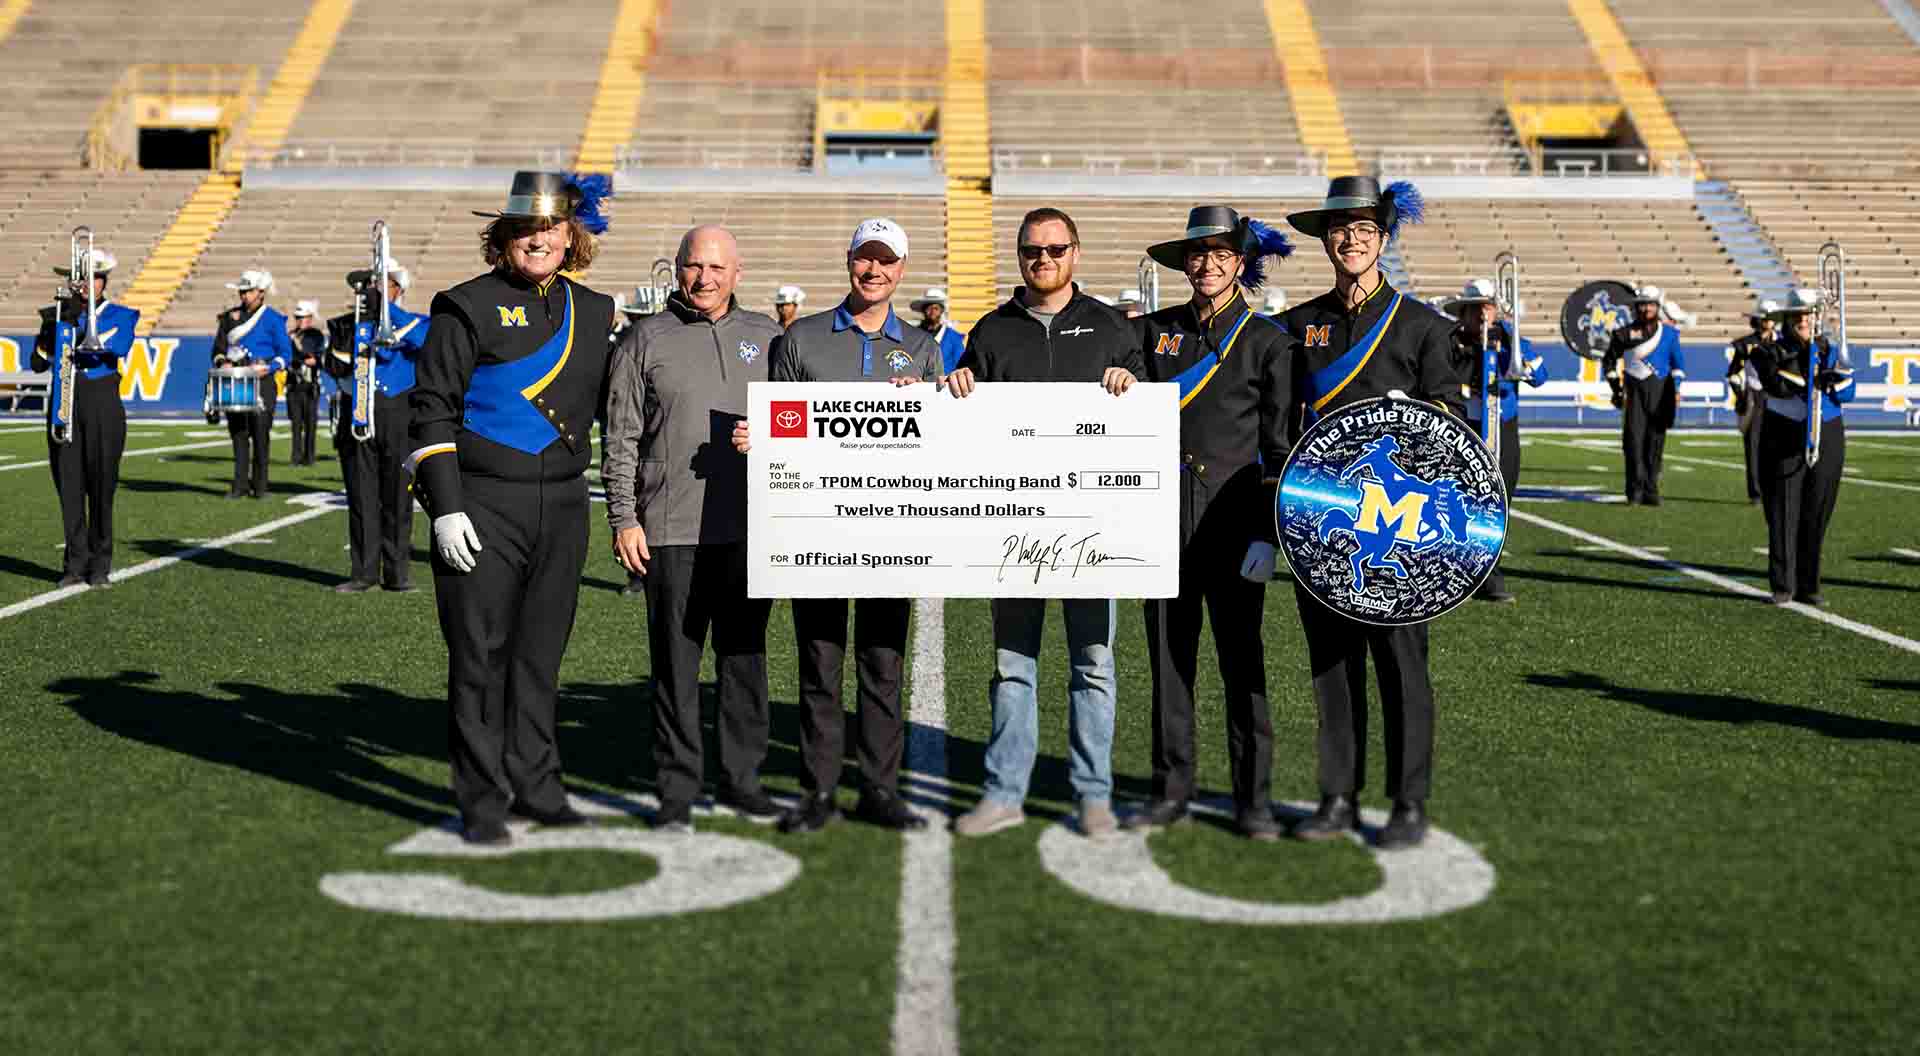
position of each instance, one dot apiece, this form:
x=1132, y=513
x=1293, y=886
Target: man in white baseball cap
x=786, y=304
x=254, y=336
x=932, y=307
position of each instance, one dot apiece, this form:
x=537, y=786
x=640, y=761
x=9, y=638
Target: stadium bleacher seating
x=1877, y=224
x=128, y=213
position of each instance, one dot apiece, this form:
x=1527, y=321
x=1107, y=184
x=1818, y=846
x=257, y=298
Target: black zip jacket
x=1009, y=344
x=1414, y=354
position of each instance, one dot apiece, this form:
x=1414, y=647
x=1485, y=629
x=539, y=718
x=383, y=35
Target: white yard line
x=925, y=1019
x=1849, y=477
x=1904, y=552
x=1905, y=449
x=158, y=563
x=137, y=451
x=1594, y=548
x=1732, y=586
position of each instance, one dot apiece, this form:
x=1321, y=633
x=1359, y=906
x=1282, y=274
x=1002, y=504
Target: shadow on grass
x=1731, y=571
x=162, y=487
x=232, y=559
x=1706, y=707
x=1596, y=581
x=1895, y=685
x=25, y=569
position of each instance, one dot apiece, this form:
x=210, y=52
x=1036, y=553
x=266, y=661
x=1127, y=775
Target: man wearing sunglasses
x=1049, y=331
x=1360, y=340
x=1233, y=368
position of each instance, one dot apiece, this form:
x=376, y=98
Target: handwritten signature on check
x=1045, y=556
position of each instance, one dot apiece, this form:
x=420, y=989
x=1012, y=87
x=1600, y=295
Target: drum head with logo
x=1592, y=313
x=1391, y=511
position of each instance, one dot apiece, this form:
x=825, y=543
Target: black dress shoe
x=754, y=804
x=1779, y=597
x=236, y=494
x=1335, y=817
x=887, y=810
x=1158, y=814
x=1818, y=601
x=399, y=588
x=72, y=579
x=565, y=817
x=1498, y=597
x=814, y=813
x=99, y=582
x=673, y=817
x=487, y=834
x=1406, y=826
x=1649, y=500
x=1256, y=823
x=352, y=586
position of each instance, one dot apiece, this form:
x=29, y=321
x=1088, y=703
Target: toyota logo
x=788, y=419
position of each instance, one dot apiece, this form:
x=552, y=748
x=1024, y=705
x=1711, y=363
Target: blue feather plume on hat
x=1408, y=206
x=1266, y=242
x=594, y=187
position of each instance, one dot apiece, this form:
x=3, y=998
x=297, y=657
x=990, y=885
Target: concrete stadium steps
x=38, y=211
x=1106, y=28
x=770, y=41
x=63, y=59
x=622, y=87
x=1806, y=133
x=1877, y=224
x=1564, y=244
x=1466, y=46
x=501, y=79
x=1720, y=24
x=693, y=123
x=1142, y=127
x=310, y=240
x=1399, y=125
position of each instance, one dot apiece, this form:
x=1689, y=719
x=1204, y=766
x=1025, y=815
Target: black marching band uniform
x=509, y=384
x=1644, y=366
x=86, y=468
x=1390, y=342
x=303, y=387
x=1467, y=354
x=379, y=507
x=1749, y=400
x=243, y=339
x=1233, y=373
x=1798, y=498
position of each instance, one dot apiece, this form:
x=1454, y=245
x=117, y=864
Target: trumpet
x=1147, y=275
x=365, y=359
x=1832, y=330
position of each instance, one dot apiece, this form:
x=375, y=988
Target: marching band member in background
x=1273, y=303
x=1129, y=302
x=932, y=307
x=379, y=506
x=677, y=504
x=303, y=378
x=1078, y=339
x=1799, y=498
x=1359, y=340
x=1479, y=315
x=1233, y=368
x=86, y=468
x=1749, y=401
x=252, y=335
x=786, y=305
x=1645, y=367
x=859, y=339
x=512, y=376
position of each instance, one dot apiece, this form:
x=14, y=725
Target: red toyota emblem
x=789, y=418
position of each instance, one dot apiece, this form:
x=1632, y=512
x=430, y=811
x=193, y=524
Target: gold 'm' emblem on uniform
x=1403, y=516
x=514, y=316
x=1169, y=345
x=1319, y=336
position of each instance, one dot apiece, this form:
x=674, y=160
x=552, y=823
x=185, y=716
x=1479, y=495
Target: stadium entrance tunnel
x=178, y=148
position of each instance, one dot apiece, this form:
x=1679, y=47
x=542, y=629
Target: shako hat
x=1251, y=238
x=1399, y=203
x=556, y=196
x=1800, y=301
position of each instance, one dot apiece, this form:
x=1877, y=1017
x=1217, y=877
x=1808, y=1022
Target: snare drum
x=236, y=390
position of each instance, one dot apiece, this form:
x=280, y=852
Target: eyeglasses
x=1361, y=231
x=1222, y=257
x=1055, y=251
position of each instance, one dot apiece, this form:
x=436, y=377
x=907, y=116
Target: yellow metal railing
x=623, y=83
x=1622, y=65
x=964, y=139
x=1316, y=111
x=864, y=100
x=112, y=133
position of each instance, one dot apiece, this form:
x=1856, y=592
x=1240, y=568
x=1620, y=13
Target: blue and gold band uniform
x=379, y=508
x=1531, y=369
x=258, y=339
x=1390, y=342
x=506, y=393
x=1644, y=366
x=1234, y=373
x=1799, y=499
x=86, y=471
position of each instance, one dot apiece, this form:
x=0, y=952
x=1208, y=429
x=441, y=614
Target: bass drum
x=1391, y=511
x=1592, y=313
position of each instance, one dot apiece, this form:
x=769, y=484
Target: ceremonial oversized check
x=1044, y=490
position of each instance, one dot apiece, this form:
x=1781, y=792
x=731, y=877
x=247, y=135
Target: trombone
x=1832, y=330
x=365, y=359
x=1147, y=275
x=1506, y=298
x=80, y=287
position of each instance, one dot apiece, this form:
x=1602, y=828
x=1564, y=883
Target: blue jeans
x=1017, y=626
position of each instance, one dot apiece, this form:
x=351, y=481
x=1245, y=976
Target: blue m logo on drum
x=1396, y=509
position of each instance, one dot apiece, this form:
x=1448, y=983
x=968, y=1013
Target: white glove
x=1257, y=567
x=454, y=540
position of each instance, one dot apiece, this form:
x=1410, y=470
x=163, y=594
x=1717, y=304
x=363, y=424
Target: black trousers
x=693, y=591
x=879, y=645
x=1749, y=421
x=379, y=507
x=303, y=406
x=1337, y=650
x=1798, y=501
x=251, y=443
x=1643, y=437
x=506, y=625
x=1510, y=472
x=86, y=472
x=1210, y=578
